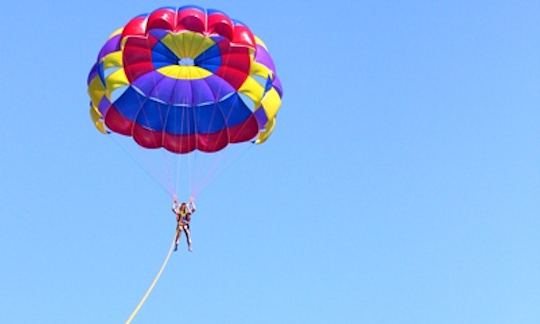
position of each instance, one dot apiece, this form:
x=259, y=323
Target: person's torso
x=183, y=216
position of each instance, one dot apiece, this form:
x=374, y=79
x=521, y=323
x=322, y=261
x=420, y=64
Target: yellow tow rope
x=153, y=284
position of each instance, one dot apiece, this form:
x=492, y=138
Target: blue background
x=401, y=184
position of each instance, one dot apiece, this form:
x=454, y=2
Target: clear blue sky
x=401, y=185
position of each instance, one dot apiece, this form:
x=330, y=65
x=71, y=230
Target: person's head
x=183, y=206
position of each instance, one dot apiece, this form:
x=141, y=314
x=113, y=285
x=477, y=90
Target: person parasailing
x=183, y=212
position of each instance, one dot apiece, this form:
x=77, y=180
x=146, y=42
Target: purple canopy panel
x=219, y=87
x=104, y=105
x=112, y=45
x=262, y=56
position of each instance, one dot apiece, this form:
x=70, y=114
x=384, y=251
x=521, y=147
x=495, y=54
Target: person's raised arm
x=191, y=203
x=174, y=204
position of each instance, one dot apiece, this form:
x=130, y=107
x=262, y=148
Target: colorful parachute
x=185, y=79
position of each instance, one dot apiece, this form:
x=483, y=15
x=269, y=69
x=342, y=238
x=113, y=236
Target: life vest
x=184, y=216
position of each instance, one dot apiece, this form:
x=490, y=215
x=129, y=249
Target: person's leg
x=188, y=237
x=177, y=240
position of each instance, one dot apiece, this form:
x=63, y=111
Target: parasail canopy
x=185, y=79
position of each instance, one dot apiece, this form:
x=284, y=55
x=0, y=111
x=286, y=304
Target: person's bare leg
x=188, y=237
x=177, y=240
